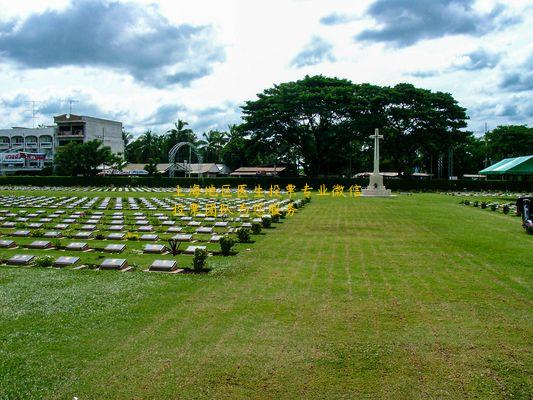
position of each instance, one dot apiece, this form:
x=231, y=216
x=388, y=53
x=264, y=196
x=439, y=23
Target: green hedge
x=265, y=182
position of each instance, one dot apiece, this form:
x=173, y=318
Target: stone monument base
x=379, y=192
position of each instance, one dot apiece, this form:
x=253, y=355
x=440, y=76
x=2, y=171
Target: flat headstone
x=40, y=244
x=116, y=227
x=192, y=249
x=204, y=229
x=83, y=235
x=182, y=237
x=215, y=238
x=61, y=226
x=145, y=228
x=9, y=224
x=35, y=225
x=20, y=259
x=78, y=246
x=21, y=233
x=114, y=248
x=163, y=265
x=154, y=248
x=88, y=227
x=194, y=223
x=149, y=236
x=116, y=236
x=65, y=261
x=174, y=229
x=221, y=224
x=114, y=263
x=52, y=234
x=7, y=244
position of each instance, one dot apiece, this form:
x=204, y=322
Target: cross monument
x=375, y=186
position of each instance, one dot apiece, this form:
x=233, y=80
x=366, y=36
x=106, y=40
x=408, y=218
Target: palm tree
x=212, y=145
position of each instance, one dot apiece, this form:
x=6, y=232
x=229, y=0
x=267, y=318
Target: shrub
x=243, y=234
x=476, y=203
x=132, y=236
x=483, y=205
x=275, y=218
x=226, y=244
x=267, y=221
x=44, y=261
x=283, y=213
x=493, y=207
x=256, y=228
x=37, y=233
x=506, y=209
x=99, y=236
x=200, y=259
x=57, y=243
x=173, y=246
x=467, y=202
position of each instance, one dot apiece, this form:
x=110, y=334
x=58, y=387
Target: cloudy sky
x=149, y=63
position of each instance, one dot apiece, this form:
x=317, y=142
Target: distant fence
x=394, y=184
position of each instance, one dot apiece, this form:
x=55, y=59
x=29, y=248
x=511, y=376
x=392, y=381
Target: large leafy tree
x=313, y=118
x=509, y=141
x=83, y=158
x=324, y=124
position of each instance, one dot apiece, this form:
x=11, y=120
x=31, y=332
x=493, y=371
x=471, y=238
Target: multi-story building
x=31, y=149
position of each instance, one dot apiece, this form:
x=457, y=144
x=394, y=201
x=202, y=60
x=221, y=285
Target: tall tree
x=509, y=141
x=212, y=144
x=84, y=158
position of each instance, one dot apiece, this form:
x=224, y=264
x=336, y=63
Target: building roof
x=80, y=118
x=252, y=171
x=513, y=166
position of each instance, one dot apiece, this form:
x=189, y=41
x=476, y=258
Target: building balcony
x=31, y=144
x=46, y=145
x=66, y=134
x=4, y=145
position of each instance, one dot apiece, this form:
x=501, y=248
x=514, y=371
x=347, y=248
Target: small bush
x=243, y=234
x=493, y=207
x=256, y=228
x=483, y=205
x=476, y=203
x=99, y=236
x=467, y=202
x=132, y=236
x=37, y=233
x=267, y=221
x=173, y=246
x=506, y=209
x=200, y=259
x=275, y=218
x=44, y=261
x=226, y=244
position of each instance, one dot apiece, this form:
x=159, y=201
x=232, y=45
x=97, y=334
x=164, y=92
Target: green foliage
x=243, y=234
x=226, y=244
x=200, y=259
x=83, y=158
x=509, y=141
x=311, y=119
x=173, y=246
x=151, y=167
x=132, y=236
x=267, y=221
x=44, y=261
x=256, y=228
x=37, y=233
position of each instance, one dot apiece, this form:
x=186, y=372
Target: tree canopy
x=84, y=158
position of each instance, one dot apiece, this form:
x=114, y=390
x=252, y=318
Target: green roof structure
x=511, y=166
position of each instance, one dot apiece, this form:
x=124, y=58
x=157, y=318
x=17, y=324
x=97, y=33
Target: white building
x=31, y=149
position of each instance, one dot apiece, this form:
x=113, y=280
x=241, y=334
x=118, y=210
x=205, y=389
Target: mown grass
x=412, y=297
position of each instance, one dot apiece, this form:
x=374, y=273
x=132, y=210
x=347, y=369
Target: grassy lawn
x=413, y=297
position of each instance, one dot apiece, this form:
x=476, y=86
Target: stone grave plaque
x=116, y=236
x=215, y=238
x=20, y=259
x=78, y=246
x=52, y=234
x=83, y=235
x=116, y=228
x=114, y=263
x=65, y=261
x=114, y=248
x=163, y=265
x=7, y=244
x=145, y=228
x=204, y=229
x=154, y=248
x=40, y=244
x=149, y=236
x=192, y=249
x=182, y=237
x=21, y=233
